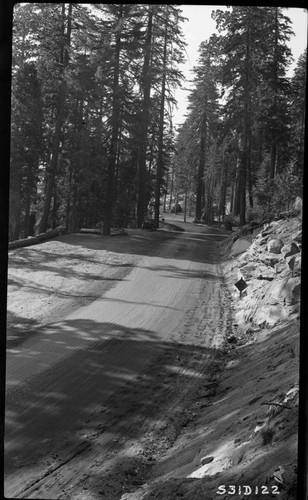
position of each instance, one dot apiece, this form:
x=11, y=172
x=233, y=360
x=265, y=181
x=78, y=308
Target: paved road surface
x=60, y=381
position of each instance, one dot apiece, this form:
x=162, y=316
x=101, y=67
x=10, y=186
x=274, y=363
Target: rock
x=297, y=236
x=270, y=315
x=239, y=246
x=294, y=263
x=279, y=267
x=206, y=460
x=263, y=240
x=267, y=229
x=247, y=271
x=274, y=246
x=265, y=272
x=249, y=257
x=232, y=339
x=278, y=475
x=264, y=277
x=289, y=249
x=271, y=261
x=249, y=330
x=298, y=205
x=296, y=293
x=285, y=291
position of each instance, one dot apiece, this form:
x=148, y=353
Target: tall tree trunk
x=185, y=200
x=55, y=210
x=161, y=133
x=208, y=207
x=242, y=186
x=144, y=122
x=223, y=189
x=27, y=206
x=69, y=198
x=165, y=203
x=201, y=164
x=74, y=220
x=14, y=208
x=53, y=164
x=236, y=190
x=249, y=172
x=273, y=150
x=171, y=186
x=244, y=162
x=115, y=120
x=117, y=163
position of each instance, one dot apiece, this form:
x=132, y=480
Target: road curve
x=57, y=380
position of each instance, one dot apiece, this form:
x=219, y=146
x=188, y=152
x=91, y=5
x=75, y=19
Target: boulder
x=296, y=293
x=298, y=205
x=206, y=460
x=267, y=229
x=243, y=259
x=286, y=291
x=232, y=339
x=274, y=246
x=297, y=236
x=268, y=275
x=263, y=240
x=240, y=246
x=248, y=271
x=289, y=249
x=294, y=263
x=270, y=315
x=280, y=267
x=271, y=260
x=264, y=272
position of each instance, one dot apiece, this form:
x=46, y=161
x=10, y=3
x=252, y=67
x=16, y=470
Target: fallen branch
x=277, y=404
x=34, y=240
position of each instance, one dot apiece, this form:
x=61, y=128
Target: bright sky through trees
x=200, y=26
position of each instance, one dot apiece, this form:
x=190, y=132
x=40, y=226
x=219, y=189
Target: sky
x=200, y=27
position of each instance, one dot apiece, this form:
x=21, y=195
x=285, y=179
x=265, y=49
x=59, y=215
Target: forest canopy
x=92, y=138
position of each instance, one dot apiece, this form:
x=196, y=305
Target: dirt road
x=95, y=400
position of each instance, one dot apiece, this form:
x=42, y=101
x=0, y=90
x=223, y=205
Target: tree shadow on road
x=203, y=247
x=109, y=385
x=123, y=397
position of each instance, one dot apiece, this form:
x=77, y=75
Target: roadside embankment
x=244, y=442
x=270, y=271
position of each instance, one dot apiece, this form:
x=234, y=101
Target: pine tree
x=203, y=107
x=63, y=60
x=26, y=122
x=298, y=113
x=143, y=117
x=274, y=89
x=167, y=76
